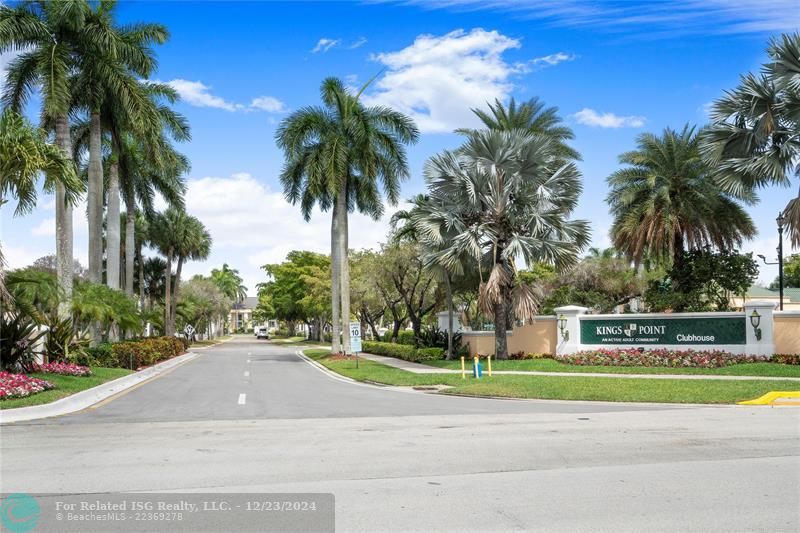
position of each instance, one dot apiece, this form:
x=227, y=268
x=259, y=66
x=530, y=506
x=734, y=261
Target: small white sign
x=355, y=336
x=189, y=329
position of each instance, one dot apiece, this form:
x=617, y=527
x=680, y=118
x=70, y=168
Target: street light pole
x=780, y=258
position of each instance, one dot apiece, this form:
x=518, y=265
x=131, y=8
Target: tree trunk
x=130, y=246
x=396, y=329
x=336, y=343
x=141, y=276
x=95, y=199
x=344, y=268
x=64, y=262
x=168, y=294
x=500, y=329
x=449, y=296
x=176, y=292
x=112, y=228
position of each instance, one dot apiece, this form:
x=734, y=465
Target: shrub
x=64, y=369
x=403, y=351
x=429, y=354
x=18, y=336
x=517, y=355
x=658, y=357
x=406, y=337
x=20, y=385
x=387, y=336
x=146, y=352
x=786, y=358
x=100, y=355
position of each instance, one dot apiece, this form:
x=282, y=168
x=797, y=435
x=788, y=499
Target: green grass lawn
x=563, y=388
x=65, y=385
x=550, y=365
x=299, y=340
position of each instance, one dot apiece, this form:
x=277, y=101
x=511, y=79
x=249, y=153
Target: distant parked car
x=263, y=333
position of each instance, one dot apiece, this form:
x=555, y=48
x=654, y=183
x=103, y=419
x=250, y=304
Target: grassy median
x=65, y=386
x=562, y=388
x=551, y=365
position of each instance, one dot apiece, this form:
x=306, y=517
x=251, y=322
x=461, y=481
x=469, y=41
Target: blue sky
x=614, y=69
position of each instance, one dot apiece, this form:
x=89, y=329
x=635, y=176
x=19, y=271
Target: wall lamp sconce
x=755, y=321
x=562, y=327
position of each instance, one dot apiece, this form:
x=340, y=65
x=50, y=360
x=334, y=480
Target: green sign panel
x=635, y=331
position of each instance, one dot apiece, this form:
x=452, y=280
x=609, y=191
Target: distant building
x=791, y=298
x=241, y=315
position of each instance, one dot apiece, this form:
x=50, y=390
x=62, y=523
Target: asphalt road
x=248, y=416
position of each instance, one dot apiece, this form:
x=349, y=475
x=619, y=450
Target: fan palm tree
x=666, y=202
x=504, y=195
x=336, y=155
x=24, y=154
x=754, y=140
x=45, y=35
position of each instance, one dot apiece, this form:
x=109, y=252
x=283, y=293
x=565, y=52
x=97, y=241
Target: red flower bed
x=64, y=369
x=20, y=385
x=659, y=357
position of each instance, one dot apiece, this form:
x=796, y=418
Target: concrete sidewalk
x=418, y=368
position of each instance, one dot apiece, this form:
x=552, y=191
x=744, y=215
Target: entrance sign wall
x=730, y=332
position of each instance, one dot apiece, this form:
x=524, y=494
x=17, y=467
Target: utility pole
x=780, y=257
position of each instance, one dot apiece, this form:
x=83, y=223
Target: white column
x=568, y=341
x=765, y=345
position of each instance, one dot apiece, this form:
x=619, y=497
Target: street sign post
x=355, y=339
x=189, y=331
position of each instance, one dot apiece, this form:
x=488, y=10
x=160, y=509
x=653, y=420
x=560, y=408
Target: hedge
x=403, y=337
x=403, y=351
x=133, y=354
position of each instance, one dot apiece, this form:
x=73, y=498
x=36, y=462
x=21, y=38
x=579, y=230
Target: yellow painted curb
x=770, y=397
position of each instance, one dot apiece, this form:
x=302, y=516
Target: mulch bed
x=339, y=357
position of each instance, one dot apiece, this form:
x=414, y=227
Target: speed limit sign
x=355, y=336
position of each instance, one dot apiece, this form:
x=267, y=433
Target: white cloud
x=664, y=19
x=552, y=59
x=325, y=44
x=45, y=228
x=358, y=43
x=590, y=117
x=437, y=79
x=269, y=104
x=252, y=225
x=198, y=94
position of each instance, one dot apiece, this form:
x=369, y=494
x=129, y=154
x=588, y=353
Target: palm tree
x=229, y=281
x=45, y=34
x=754, y=140
x=192, y=243
x=141, y=161
x=111, y=60
x=532, y=117
x=24, y=153
x=666, y=202
x=504, y=195
x=335, y=156
x=178, y=236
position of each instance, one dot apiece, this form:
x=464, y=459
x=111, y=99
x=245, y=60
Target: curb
x=83, y=399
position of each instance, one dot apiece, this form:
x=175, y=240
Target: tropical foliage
x=754, y=140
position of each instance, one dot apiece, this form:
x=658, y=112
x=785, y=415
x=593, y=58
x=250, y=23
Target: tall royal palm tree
x=666, y=201
x=336, y=155
x=505, y=195
x=24, y=154
x=111, y=61
x=45, y=35
x=754, y=140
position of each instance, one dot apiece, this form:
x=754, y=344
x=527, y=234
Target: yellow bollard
x=489, y=364
x=463, y=369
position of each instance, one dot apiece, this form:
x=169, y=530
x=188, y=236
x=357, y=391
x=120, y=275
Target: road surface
x=248, y=416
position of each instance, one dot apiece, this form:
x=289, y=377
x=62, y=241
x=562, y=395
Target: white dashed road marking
x=247, y=374
x=242, y=398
